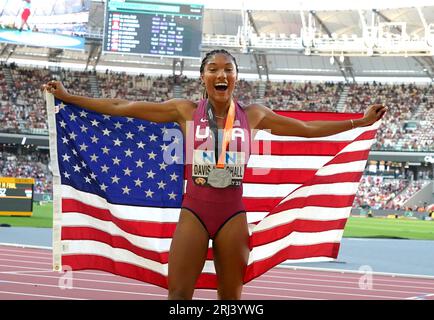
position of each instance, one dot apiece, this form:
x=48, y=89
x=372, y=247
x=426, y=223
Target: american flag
x=118, y=186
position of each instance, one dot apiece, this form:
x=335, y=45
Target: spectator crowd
x=27, y=164
x=407, y=125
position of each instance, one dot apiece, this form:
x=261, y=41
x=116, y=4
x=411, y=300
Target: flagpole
x=57, y=227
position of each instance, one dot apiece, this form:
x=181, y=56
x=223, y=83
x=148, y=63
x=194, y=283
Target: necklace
x=219, y=117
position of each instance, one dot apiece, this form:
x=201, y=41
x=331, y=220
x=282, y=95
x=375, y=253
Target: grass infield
x=355, y=228
x=42, y=217
x=389, y=228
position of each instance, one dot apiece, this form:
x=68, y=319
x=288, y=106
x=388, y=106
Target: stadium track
x=25, y=273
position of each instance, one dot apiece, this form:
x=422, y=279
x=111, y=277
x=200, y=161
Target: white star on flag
x=106, y=132
x=117, y=142
x=115, y=179
x=149, y=193
x=126, y=190
x=139, y=163
x=152, y=155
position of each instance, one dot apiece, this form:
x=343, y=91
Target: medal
x=219, y=178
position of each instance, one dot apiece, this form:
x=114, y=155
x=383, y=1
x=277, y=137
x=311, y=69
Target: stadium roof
x=306, y=5
x=331, y=20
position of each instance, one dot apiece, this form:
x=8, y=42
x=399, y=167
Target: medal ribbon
x=226, y=133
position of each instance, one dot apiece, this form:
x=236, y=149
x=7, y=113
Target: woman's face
x=219, y=77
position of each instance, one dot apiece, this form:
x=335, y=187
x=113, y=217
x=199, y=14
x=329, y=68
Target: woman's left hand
x=374, y=113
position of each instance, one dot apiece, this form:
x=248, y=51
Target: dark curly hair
x=212, y=53
x=208, y=56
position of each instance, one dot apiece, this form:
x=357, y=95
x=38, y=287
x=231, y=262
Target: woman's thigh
x=187, y=255
x=231, y=254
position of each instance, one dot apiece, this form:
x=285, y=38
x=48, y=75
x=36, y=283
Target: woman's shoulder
x=185, y=107
x=254, y=108
x=183, y=104
x=255, y=112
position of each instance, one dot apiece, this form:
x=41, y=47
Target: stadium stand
x=27, y=163
x=303, y=96
x=407, y=126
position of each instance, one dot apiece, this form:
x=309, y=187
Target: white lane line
x=25, y=261
x=374, y=280
x=74, y=278
x=328, y=292
x=84, y=289
x=21, y=267
x=101, y=273
x=28, y=253
x=79, y=272
x=24, y=246
x=405, y=275
x=262, y=295
x=420, y=297
x=374, y=289
x=24, y=256
x=26, y=272
x=44, y=251
x=38, y=295
x=352, y=275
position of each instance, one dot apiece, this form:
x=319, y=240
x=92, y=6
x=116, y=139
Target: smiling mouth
x=221, y=87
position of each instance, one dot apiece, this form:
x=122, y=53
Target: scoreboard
x=153, y=28
x=16, y=196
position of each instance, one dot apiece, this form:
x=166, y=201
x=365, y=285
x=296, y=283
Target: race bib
x=204, y=162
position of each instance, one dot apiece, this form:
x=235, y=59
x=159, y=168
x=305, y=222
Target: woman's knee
x=180, y=293
x=232, y=293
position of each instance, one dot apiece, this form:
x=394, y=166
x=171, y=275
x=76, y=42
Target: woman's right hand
x=57, y=89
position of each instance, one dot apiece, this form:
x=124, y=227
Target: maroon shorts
x=213, y=215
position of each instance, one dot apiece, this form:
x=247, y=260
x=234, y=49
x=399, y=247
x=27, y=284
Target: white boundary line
x=26, y=261
x=41, y=295
x=75, y=289
x=355, y=292
x=421, y=297
x=8, y=254
x=17, y=245
x=283, y=266
x=329, y=276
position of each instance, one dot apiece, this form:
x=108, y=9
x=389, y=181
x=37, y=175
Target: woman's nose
x=221, y=74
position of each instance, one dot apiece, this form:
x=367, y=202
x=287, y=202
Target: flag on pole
x=118, y=186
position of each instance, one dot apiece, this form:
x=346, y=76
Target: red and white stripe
x=296, y=211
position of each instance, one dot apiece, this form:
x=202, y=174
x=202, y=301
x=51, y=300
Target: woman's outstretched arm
x=173, y=110
x=261, y=117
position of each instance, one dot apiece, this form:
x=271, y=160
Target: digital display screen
x=153, y=28
x=16, y=196
x=48, y=23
